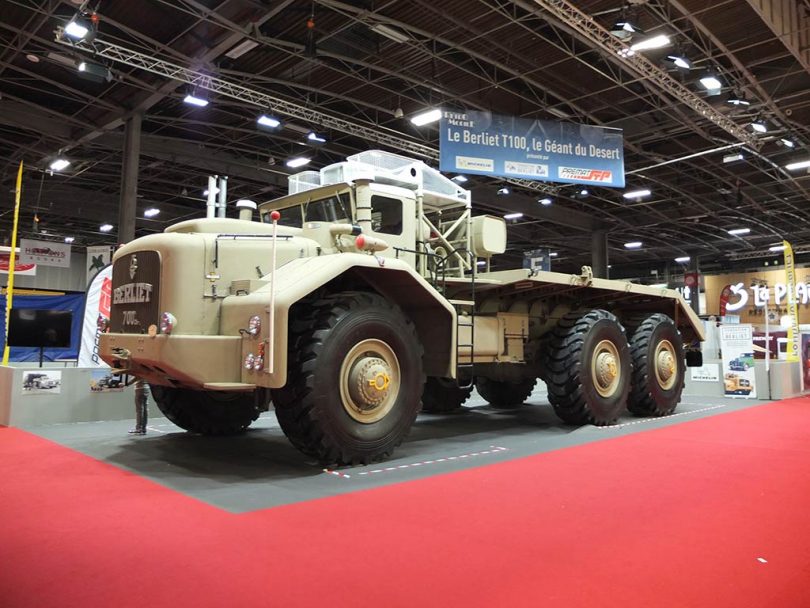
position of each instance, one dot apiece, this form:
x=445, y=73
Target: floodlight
x=315, y=138
x=299, y=161
x=636, y=194
x=195, y=100
x=151, y=212
x=710, y=81
x=105, y=227
x=545, y=201
x=656, y=42
x=680, y=61
x=732, y=157
x=426, y=117
x=78, y=28
x=800, y=165
x=268, y=121
x=683, y=259
x=59, y=164
x=739, y=231
x=633, y=245
x=759, y=126
x=512, y=216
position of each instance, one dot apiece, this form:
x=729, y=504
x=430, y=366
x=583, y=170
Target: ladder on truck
x=465, y=377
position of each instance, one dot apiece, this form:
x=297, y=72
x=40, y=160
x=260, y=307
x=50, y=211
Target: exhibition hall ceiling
x=379, y=62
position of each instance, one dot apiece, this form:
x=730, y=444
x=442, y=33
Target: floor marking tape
x=494, y=450
x=338, y=473
x=649, y=420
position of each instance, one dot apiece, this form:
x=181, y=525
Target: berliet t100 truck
x=366, y=294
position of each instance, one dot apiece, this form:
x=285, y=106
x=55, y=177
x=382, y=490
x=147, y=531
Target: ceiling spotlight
x=633, y=245
x=788, y=143
x=545, y=201
x=624, y=29
x=732, y=157
x=683, y=259
x=759, y=126
x=459, y=179
x=736, y=100
x=800, y=165
x=398, y=112
x=105, y=227
x=656, y=42
x=711, y=82
x=512, y=216
x=504, y=191
x=95, y=72
x=636, y=194
x=739, y=231
x=32, y=58
x=553, y=254
x=299, y=161
x=267, y=120
x=680, y=61
x=58, y=164
x=195, y=100
x=69, y=239
x=78, y=27
x=315, y=138
x=584, y=192
x=151, y=212
x=426, y=117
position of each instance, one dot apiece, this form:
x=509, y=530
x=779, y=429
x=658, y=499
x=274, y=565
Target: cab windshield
x=336, y=208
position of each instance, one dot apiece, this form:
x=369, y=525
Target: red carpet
x=679, y=516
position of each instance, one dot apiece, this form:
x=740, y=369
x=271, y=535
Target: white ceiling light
x=504, y=191
x=711, y=82
x=299, y=161
x=105, y=227
x=205, y=192
x=633, y=245
x=553, y=254
x=788, y=143
x=800, y=165
x=683, y=259
x=390, y=33
x=315, y=138
x=738, y=101
x=759, y=126
x=776, y=248
x=76, y=30
x=426, y=117
x=659, y=285
x=636, y=194
x=656, y=42
x=459, y=179
x=243, y=47
x=623, y=29
x=680, y=61
x=194, y=100
x=69, y=239
x=151, y=212
x=59, y=164
x=545, y=201
x=512, y=216
x=739, y=231
x=584, y=192
x=732, y=157
x=268, y=121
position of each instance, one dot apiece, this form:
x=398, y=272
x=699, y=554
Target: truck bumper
x=197, y=362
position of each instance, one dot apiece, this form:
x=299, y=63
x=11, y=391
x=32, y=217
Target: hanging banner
x=792, y=307
x=20, y=269
x=483, y=143
x=99, y=297
x=737, y=348
x=97, y=259
x=45, y=253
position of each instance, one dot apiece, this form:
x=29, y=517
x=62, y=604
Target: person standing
x=141, y=407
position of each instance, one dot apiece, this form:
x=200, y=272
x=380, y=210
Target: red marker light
x=275, y=216
x=360, y=242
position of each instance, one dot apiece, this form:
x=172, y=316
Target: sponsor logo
x=532, y=169
x=470, y=163
x=585, y=175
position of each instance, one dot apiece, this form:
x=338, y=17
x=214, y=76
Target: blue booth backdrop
x=72, y=302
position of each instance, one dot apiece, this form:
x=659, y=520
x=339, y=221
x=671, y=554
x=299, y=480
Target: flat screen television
x=39, y=328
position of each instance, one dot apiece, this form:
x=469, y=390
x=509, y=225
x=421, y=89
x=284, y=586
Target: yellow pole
x=11, y=258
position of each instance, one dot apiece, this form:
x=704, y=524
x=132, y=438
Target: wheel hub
x=606, y=369
x=666, y=366
x=369, y=381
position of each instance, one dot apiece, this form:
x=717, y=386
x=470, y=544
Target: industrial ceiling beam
x=790, y=23
x=565, y=13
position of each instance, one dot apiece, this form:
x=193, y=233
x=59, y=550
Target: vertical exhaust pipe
x=223, y=195
x=210, y=206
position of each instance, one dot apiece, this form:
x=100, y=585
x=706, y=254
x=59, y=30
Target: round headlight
x=255, y=325
x=249, y=358
x=258, y=362
x=167, y=323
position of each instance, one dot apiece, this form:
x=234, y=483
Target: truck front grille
x=136, y=293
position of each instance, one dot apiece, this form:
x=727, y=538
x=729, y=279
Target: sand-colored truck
x=367, y=294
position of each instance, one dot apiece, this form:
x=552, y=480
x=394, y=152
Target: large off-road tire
x=588, y=368
x=659, y=368
x=441, y=395
x=502, y=394
x=206, y=412
x=354, y=380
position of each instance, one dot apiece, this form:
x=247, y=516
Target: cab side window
x=386, y=215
